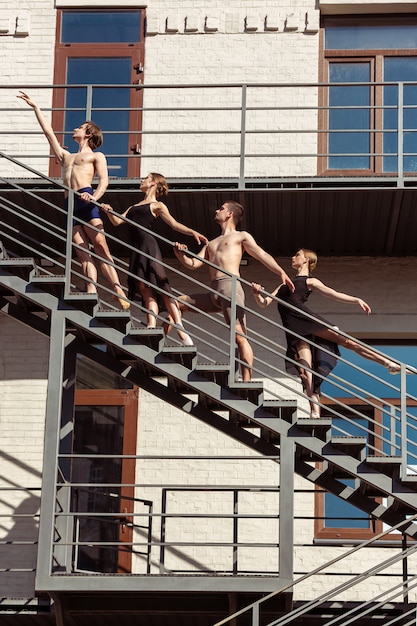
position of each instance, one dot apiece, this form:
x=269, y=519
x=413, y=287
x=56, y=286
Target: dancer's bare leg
x=89, y=270
x=151, y=305
x=305, y=358
x=364, y=351
x=105, y=259
x=175, y=317
x=245, y=352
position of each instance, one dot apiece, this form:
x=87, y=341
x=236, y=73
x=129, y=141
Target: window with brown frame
x=99, y=62
x=335, y=519
x=368, y=116
x=103, y=475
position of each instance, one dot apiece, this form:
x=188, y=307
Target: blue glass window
x=114, y=71
x=338, y=513
x=371, y=37
x=400, y=69
x=100, y=27
x=345, y=148
x=349, y=141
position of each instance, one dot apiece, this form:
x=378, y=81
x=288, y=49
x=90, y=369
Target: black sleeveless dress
x=141, y=266
x=296, y=321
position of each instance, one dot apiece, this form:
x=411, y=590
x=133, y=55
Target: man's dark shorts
x=84, y=210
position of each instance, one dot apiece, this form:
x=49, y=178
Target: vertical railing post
x=232, y=343
x=68, y=244
x=403, y=410
x=163, y=522
x=255, y=614
x=242, y=138
x=89, y=103
x=400, y=146
x=235, y=530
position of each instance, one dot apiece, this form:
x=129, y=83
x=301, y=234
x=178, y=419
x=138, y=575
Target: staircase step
x=21, y=267
x=85, y=302
x=115, y=319
x=52, y=284
x=216, y=373
x=151, y=337
x=353, y=446
x=184, y=355
x=319, y=428
x=251, y=391
x=285, y=409
x=388, y=465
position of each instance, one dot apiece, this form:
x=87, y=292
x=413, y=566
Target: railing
x=245, y=135
x=386, y=419
x=403, y=591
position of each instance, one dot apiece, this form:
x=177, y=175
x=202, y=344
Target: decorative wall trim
x=232, y=23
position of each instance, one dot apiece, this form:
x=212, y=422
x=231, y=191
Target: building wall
x=23, y=387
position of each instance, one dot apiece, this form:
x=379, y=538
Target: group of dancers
x=311, y=351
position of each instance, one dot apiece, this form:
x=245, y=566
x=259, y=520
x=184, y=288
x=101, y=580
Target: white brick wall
x=23, y=373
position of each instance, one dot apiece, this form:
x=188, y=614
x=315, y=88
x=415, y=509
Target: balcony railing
x=242, y=135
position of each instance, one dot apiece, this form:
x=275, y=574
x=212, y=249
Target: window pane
x=376, y=37
x=347, y=141
x=105, y=71
x=98, y=430
x=400, y=69
x=345, y=515
x=341, y=514
x=100, y=26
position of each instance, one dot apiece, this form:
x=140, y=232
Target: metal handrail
x=239, y=155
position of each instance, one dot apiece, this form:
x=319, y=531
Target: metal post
x=68, y=246
x=400, y=148
x=89, y=102
x=242, y=139
x=286, y=508
x=235, y=530
x=232, y=346
x=50, y=459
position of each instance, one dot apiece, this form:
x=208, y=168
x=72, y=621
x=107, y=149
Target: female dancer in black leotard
x=304, y=262
x=149, y=268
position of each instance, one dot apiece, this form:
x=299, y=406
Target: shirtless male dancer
x=78, y=171
x=226, y=252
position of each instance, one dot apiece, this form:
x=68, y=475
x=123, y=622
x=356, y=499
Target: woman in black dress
x=145, y=261
x=314, y=357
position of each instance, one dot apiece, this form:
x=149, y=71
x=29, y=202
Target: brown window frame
x=376, y=58
x=346, y=534
x=129, y=400
x=136, y=51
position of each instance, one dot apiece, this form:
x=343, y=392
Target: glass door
x=102, y=493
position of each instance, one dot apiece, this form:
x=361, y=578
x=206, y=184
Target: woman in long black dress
x=321, y=357
x=146, y=260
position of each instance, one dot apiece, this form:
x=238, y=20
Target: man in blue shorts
x=78, y=171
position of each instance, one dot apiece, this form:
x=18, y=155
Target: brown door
x=105, y=427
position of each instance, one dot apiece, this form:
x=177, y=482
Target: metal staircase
x=80, y=323
x=139, y=355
